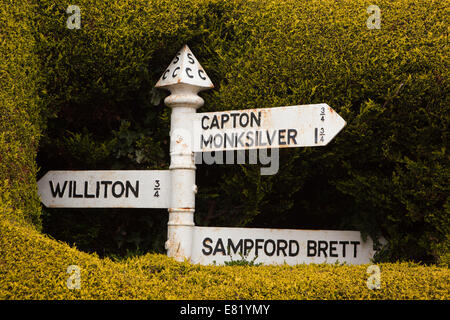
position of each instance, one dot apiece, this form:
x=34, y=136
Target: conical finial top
x=185, y=69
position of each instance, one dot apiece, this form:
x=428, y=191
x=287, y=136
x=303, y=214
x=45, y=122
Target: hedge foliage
x=20, y=120
x=33, y=266
x=385, y=174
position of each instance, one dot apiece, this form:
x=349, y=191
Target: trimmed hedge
x=33, y=266
x=20, y=119
x=385, y=174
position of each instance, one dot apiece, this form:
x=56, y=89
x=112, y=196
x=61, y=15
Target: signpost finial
x=185, y=69
x=184, y=78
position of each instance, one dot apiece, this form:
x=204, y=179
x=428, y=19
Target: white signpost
x=292, y=126
x=105, y=189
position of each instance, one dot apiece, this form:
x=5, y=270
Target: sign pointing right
x=281, y=127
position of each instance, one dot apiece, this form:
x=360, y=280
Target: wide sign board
x=213, y=245
x=105, y=189
x=280, y=127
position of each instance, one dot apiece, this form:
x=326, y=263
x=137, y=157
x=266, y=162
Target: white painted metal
x=105, y=189
x=184, y=78
x=279, y=246
x=185, y=69
x=294, y=126
x=281, y=127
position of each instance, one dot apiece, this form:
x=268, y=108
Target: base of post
x=180, y=233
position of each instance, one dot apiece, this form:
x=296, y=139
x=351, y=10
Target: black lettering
x=75, y=195
x=219, y=247
x=292, y=133
x=255, y=119
x=70, y=189
x=234, y=115
x=173, y=73
x=113, y=189
x=258, y=246
x=214, y=123
x=203, y=123
x=355, y=244
x=281, y=137
x=241, y=123
x=323, y=246
x=293, y=253
x=200, y=74
x=97, y=189
x=344, y=243
x=249, y=137
x=234, y=248
x=57, y=192
x=86, y=194
x=187, y=72
x=106, y=183
x=224, y=119
x=261, y=143
x=218, y=144
x=205, y=142
x=228, y=138
x=333, y=248
x=248, y=245
x=269, y=253
x=239, y=139
x=176, y=58
x=129, y=187
x=191, y=60
x=165, y=74
x=311, y=245
x=281, y=246
x=270, y=139
x=207, y=246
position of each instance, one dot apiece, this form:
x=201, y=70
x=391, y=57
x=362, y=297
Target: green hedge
x=385, y=174
x=33, y=266
x=20, y=119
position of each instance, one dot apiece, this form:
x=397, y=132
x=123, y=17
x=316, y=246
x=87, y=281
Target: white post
x=184, y=78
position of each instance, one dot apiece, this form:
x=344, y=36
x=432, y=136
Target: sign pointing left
x=105, y=189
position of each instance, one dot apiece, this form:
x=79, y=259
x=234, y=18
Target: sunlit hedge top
x=34, y=266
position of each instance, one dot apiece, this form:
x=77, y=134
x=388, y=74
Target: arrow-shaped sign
x=105, y=189
x=216, y=245
x=282, y=127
